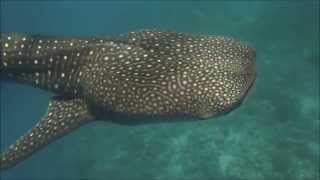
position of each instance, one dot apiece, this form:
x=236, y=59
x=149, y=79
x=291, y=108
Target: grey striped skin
x=148, y=72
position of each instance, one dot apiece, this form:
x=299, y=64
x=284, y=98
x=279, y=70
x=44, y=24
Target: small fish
x=148, y=72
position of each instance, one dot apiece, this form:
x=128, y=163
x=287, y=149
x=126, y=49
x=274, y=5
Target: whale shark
x=148, y=73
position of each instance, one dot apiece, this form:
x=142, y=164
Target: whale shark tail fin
x=63, y=116
x=43, y=61
x=14, y=47
x=20, y=56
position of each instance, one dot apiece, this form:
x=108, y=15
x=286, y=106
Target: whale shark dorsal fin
x=63, y=116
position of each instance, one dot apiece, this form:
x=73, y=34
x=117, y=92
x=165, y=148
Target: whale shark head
x=162, y=72
x=227, y=74
x=233, y=74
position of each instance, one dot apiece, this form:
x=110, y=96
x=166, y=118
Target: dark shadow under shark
x=145, y=76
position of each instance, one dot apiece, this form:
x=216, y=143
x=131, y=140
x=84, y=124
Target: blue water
x=273, y=135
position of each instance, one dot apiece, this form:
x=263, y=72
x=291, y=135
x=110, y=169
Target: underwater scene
x=272, y=133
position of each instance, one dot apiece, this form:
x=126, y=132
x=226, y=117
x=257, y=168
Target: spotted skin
x=148, y=72
x=63, y=116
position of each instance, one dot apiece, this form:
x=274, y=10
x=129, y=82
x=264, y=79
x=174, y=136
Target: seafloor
x=273, y=135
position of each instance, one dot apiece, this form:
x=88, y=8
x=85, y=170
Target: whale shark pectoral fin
x=63, y=116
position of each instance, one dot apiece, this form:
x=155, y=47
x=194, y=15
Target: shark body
x=148, y=72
